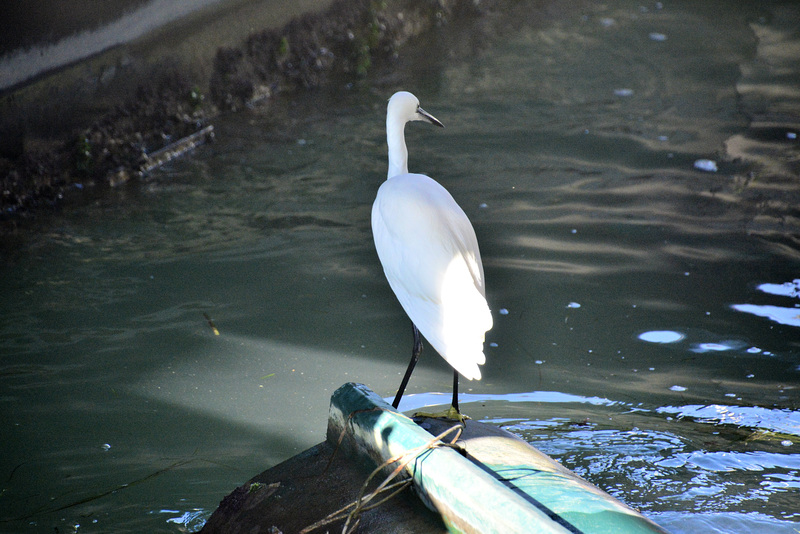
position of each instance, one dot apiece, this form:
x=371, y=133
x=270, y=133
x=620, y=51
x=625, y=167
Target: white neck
x=398, y=153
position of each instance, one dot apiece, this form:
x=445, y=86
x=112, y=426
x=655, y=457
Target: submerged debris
x=177, y=149
x=211, y=324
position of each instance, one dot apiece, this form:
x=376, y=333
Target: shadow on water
x=123, y=477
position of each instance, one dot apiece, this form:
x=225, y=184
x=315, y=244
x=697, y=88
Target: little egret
x=430, y=256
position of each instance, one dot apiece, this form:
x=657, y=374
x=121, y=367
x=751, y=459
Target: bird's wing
x=430, y=255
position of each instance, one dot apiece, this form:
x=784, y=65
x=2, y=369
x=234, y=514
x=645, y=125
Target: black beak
x=428, y=117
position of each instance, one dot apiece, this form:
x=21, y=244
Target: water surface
x=635, y=339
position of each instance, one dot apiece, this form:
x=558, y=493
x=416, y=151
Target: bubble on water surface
x=707, y=165
x=719, y=346
x=661, y=336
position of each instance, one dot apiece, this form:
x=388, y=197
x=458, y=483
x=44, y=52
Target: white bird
x=430, y=256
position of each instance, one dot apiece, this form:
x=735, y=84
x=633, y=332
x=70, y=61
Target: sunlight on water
x=191, y=521
x=787, y=289
x=657, y=462
x=787, y=316
x=779, y=314
x=417, y=401
x=780, y=421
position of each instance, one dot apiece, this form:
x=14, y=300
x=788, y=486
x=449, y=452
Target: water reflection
x=787, y=316
x=779, y=314
x=787, y=289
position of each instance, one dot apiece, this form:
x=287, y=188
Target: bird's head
x=404, y=107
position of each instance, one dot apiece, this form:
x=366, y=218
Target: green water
x=570, y=142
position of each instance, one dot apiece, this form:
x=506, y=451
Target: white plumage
x=429, y=251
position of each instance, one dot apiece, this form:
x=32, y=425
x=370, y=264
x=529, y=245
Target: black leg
x=415, y=351
x=455, y=390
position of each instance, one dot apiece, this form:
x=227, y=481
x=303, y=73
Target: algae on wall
x=63, y=134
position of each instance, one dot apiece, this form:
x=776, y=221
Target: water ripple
x=707, y=466
x=774, y=420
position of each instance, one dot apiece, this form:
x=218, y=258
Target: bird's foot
x=451, y=414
